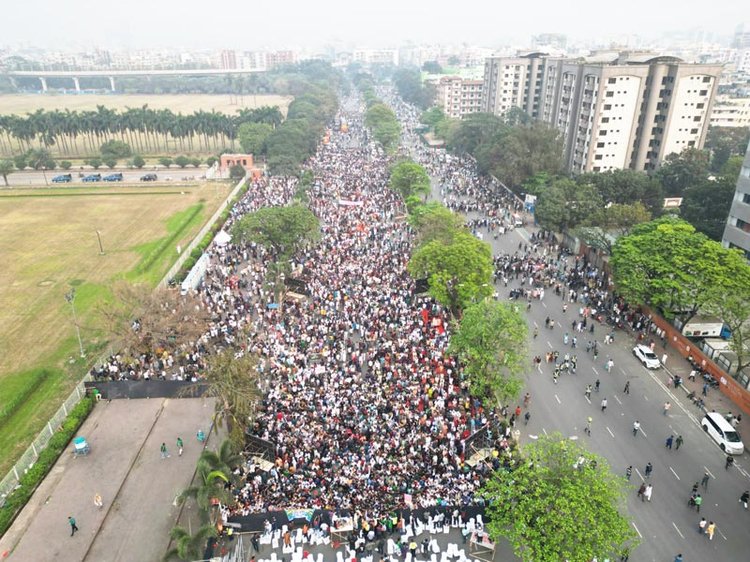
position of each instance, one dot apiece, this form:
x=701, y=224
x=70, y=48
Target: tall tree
x=189, y=546
x=7, y=167
x=611, y=222
x=253, y=137
x=283, y=230
x=683, y=170
x=527, y=151
x=459, y=272
x=706, y=205
x=559, y=502
x=435, y=221
x=491, y=344
x=409, y=179
x=564, y=204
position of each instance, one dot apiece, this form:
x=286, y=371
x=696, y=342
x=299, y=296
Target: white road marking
x=545, y=431
x=722, y=534
x=558, y=399
x=587, y=399
x=618, y=400
x=638, y=472
x=673, y=472
x=644, y=433
x=676, y=529
x=549, y=344
x=709, y=473
x=544, y=305
x=623, y=371
x=637, y=531
x=595, y=371
x=610, y=432
x=539, y=368
x=535, y=324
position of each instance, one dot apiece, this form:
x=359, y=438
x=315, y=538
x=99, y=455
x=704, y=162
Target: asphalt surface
x=666, y=525
x=29, y=178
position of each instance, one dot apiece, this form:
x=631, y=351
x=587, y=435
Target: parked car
x=92, y=177
x=62, y=178
x=113, y=177
x=149, y=177
x=646, y=356
x=723, y=433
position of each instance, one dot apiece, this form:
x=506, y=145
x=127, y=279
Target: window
x=746, y=198
x=697, y=118
x=703, y=92
x=699, y=105
x=612, y=80
x=602, y=133
x=600, y=145
x=706, y=79
x=745, y=226
x=693, y=131
x=598, y=157
x=605, y=119
x=607, y=106
x=691, y=143
x=610, y=94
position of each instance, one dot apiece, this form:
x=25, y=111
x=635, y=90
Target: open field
x=188, y=103
x=49, y=242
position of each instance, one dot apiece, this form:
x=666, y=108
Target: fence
x=185, y=254
x=27, y=460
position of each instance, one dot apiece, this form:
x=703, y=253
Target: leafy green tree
x=182, y=161
x=66, y=164
x=211, y=160
x=409, y=178
x=408, y=82
x=283, y=230
x=433, y=117
x=39, y=158
x=474, y=130
x=611, y=222
x=195, y=162
x=94, y=162
x=725, y=142
x=527, y=151
x=626, y=187
x=435, y=221
x=115, y=149
x=138, y=161
x=731, y=168
x=680, y=171
x=224, y=460
x=559, y=502
x=208, y=487
x=21, y=161
x=166, y=161
x=665, y=263
x=733, y=307
x=432, y=67
x=564, y=205
x=516, y=117
x=237, y=172
x=706, y=205
x=6, y=168
x=384, y=125
x=253, y=137
x=459, y=272
x=491, y=344
x=110, y=162
x=187, y=546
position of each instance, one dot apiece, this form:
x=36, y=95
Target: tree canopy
x=491, y=344
x=706, y=205
x=435, y=221
x=7, y=167
x=253, y=137
x=459, y=271
x=682, y=170
x=384, y=126
x=283, y=230
x=559, y=502
x=409, y=179
x=408, y=82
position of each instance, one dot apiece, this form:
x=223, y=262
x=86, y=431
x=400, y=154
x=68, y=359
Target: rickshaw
x=80, y=447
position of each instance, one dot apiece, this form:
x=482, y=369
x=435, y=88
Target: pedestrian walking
x=526, y=400
x=629, y=472
x=710, y=529
x=668, y=444
x=695, y=489
x=98, y=500
x=588, y=391
x=604, y=404
x=704, y=480
x=698, y=501
x=596, y=385
x=526, y=418
x=587, y=429
x=678, y=558
x=647, y=493
x=73, y=526
x=180, y=446
x=626, y=390
x=609, y=364
x=678, y=443
x=648, y=470
x=744, y=497
x=636, y=427
x=667, y=406
x=164, y=452
x=730, y=461
x=702, y=525
x=642, y=490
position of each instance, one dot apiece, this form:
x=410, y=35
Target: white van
x=723, y=433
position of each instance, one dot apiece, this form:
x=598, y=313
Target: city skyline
x=187, y=25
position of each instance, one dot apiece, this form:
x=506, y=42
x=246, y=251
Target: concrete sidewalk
x=125, y=467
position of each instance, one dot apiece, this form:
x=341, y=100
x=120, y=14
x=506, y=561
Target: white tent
x=222, y=238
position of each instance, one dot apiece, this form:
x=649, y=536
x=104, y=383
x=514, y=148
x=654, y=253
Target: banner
x=293, y=514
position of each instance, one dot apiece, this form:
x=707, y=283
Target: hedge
x=17, y=499
x=33, y=382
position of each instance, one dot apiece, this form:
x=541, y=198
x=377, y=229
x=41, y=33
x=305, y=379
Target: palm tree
x=187, y=546
x=208, y=491
x=224, y=460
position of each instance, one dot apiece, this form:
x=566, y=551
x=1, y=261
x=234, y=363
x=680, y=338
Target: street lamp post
x=99, y=238
x=44, y=173
x=70, y=297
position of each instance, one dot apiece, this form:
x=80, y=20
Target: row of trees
x=408, y=83
x=148, y=131
x=381, y=120
x=680, y=272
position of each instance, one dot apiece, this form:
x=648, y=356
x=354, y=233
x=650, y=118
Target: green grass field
x=49, y=242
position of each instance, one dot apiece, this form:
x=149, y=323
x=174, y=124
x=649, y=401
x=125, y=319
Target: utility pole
x=99, y=237
x=70, y=297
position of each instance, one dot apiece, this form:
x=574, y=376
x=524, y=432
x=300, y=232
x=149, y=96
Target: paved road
x=667, y=526
x=37, y=179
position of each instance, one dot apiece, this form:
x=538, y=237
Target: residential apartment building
x=614, y=110
x=737, y=230
x=730, y=112
x=376, y=56
x=459, y=96
x=228, y=60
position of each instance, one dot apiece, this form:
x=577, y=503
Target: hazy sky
x=246, y=24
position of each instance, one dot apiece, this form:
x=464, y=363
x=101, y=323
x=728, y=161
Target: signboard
x=293, y=514
x=672, y=202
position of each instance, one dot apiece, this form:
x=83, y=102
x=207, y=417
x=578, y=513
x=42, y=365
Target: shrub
x=110, y=162
x=211, y=160
x=95, y=163
x=138, y=161
x=165, y=161
x=237, y=172
x=115, y=149
x=66, y=164
x=182, y=161
x=195, y=162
